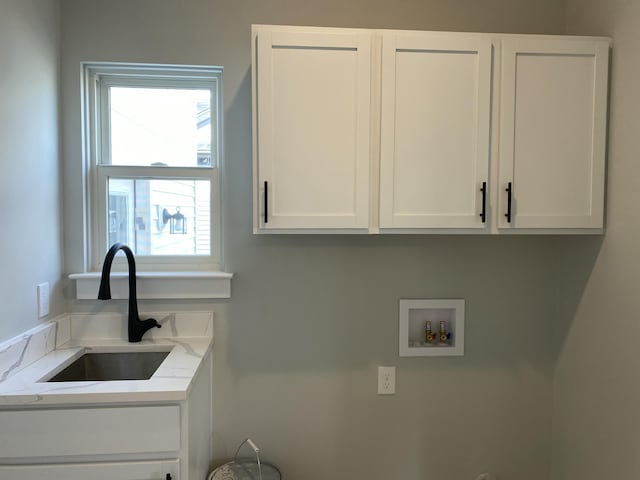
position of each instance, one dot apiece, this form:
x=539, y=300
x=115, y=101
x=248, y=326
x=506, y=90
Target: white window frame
x=97, y=78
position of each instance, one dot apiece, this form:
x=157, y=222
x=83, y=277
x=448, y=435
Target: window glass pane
x=160, y=217
x=160, y=126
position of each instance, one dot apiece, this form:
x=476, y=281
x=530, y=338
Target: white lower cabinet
x=154, y=470
x=139, y=441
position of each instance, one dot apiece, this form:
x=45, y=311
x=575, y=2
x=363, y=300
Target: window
x=153, y=140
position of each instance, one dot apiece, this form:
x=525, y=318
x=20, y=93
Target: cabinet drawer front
x=89, y=431
x=94, y=471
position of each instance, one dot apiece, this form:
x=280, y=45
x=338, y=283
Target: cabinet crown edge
x=256, y=28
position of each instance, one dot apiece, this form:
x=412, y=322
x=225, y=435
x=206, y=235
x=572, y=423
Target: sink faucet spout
x=136, y=327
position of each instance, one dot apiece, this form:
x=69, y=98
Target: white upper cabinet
x=435, y=130
x=312, y=90
x=552, y=133
x=389, y=131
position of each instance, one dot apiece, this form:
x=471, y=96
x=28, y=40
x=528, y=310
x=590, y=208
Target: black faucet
x=137, y=327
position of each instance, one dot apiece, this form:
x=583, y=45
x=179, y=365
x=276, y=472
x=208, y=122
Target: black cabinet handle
x=266, y=200
x=509, y=191
x=483, y=215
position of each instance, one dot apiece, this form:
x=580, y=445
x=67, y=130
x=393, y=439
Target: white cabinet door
x=435, y=130
x=552, y=133
x=151, y=470
x=313, y=121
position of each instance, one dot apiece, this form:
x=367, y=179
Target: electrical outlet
x=386, y=380
x=43, y=299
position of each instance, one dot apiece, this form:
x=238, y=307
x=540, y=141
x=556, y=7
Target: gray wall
x=597, y=393
x=31, y=238
x=313, y=316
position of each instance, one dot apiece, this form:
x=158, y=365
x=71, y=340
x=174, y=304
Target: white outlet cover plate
x=43, y=299
x=386, y=380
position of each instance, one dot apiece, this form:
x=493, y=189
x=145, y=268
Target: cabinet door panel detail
x=435, y=130
x=314, y=119
x=553, y=132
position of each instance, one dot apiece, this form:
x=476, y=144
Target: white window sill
x=157, y=285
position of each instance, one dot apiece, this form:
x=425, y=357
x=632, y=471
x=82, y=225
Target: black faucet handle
x=138, y=328
x=152, y=322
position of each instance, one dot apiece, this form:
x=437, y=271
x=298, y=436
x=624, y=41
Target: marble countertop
x=172, y=381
